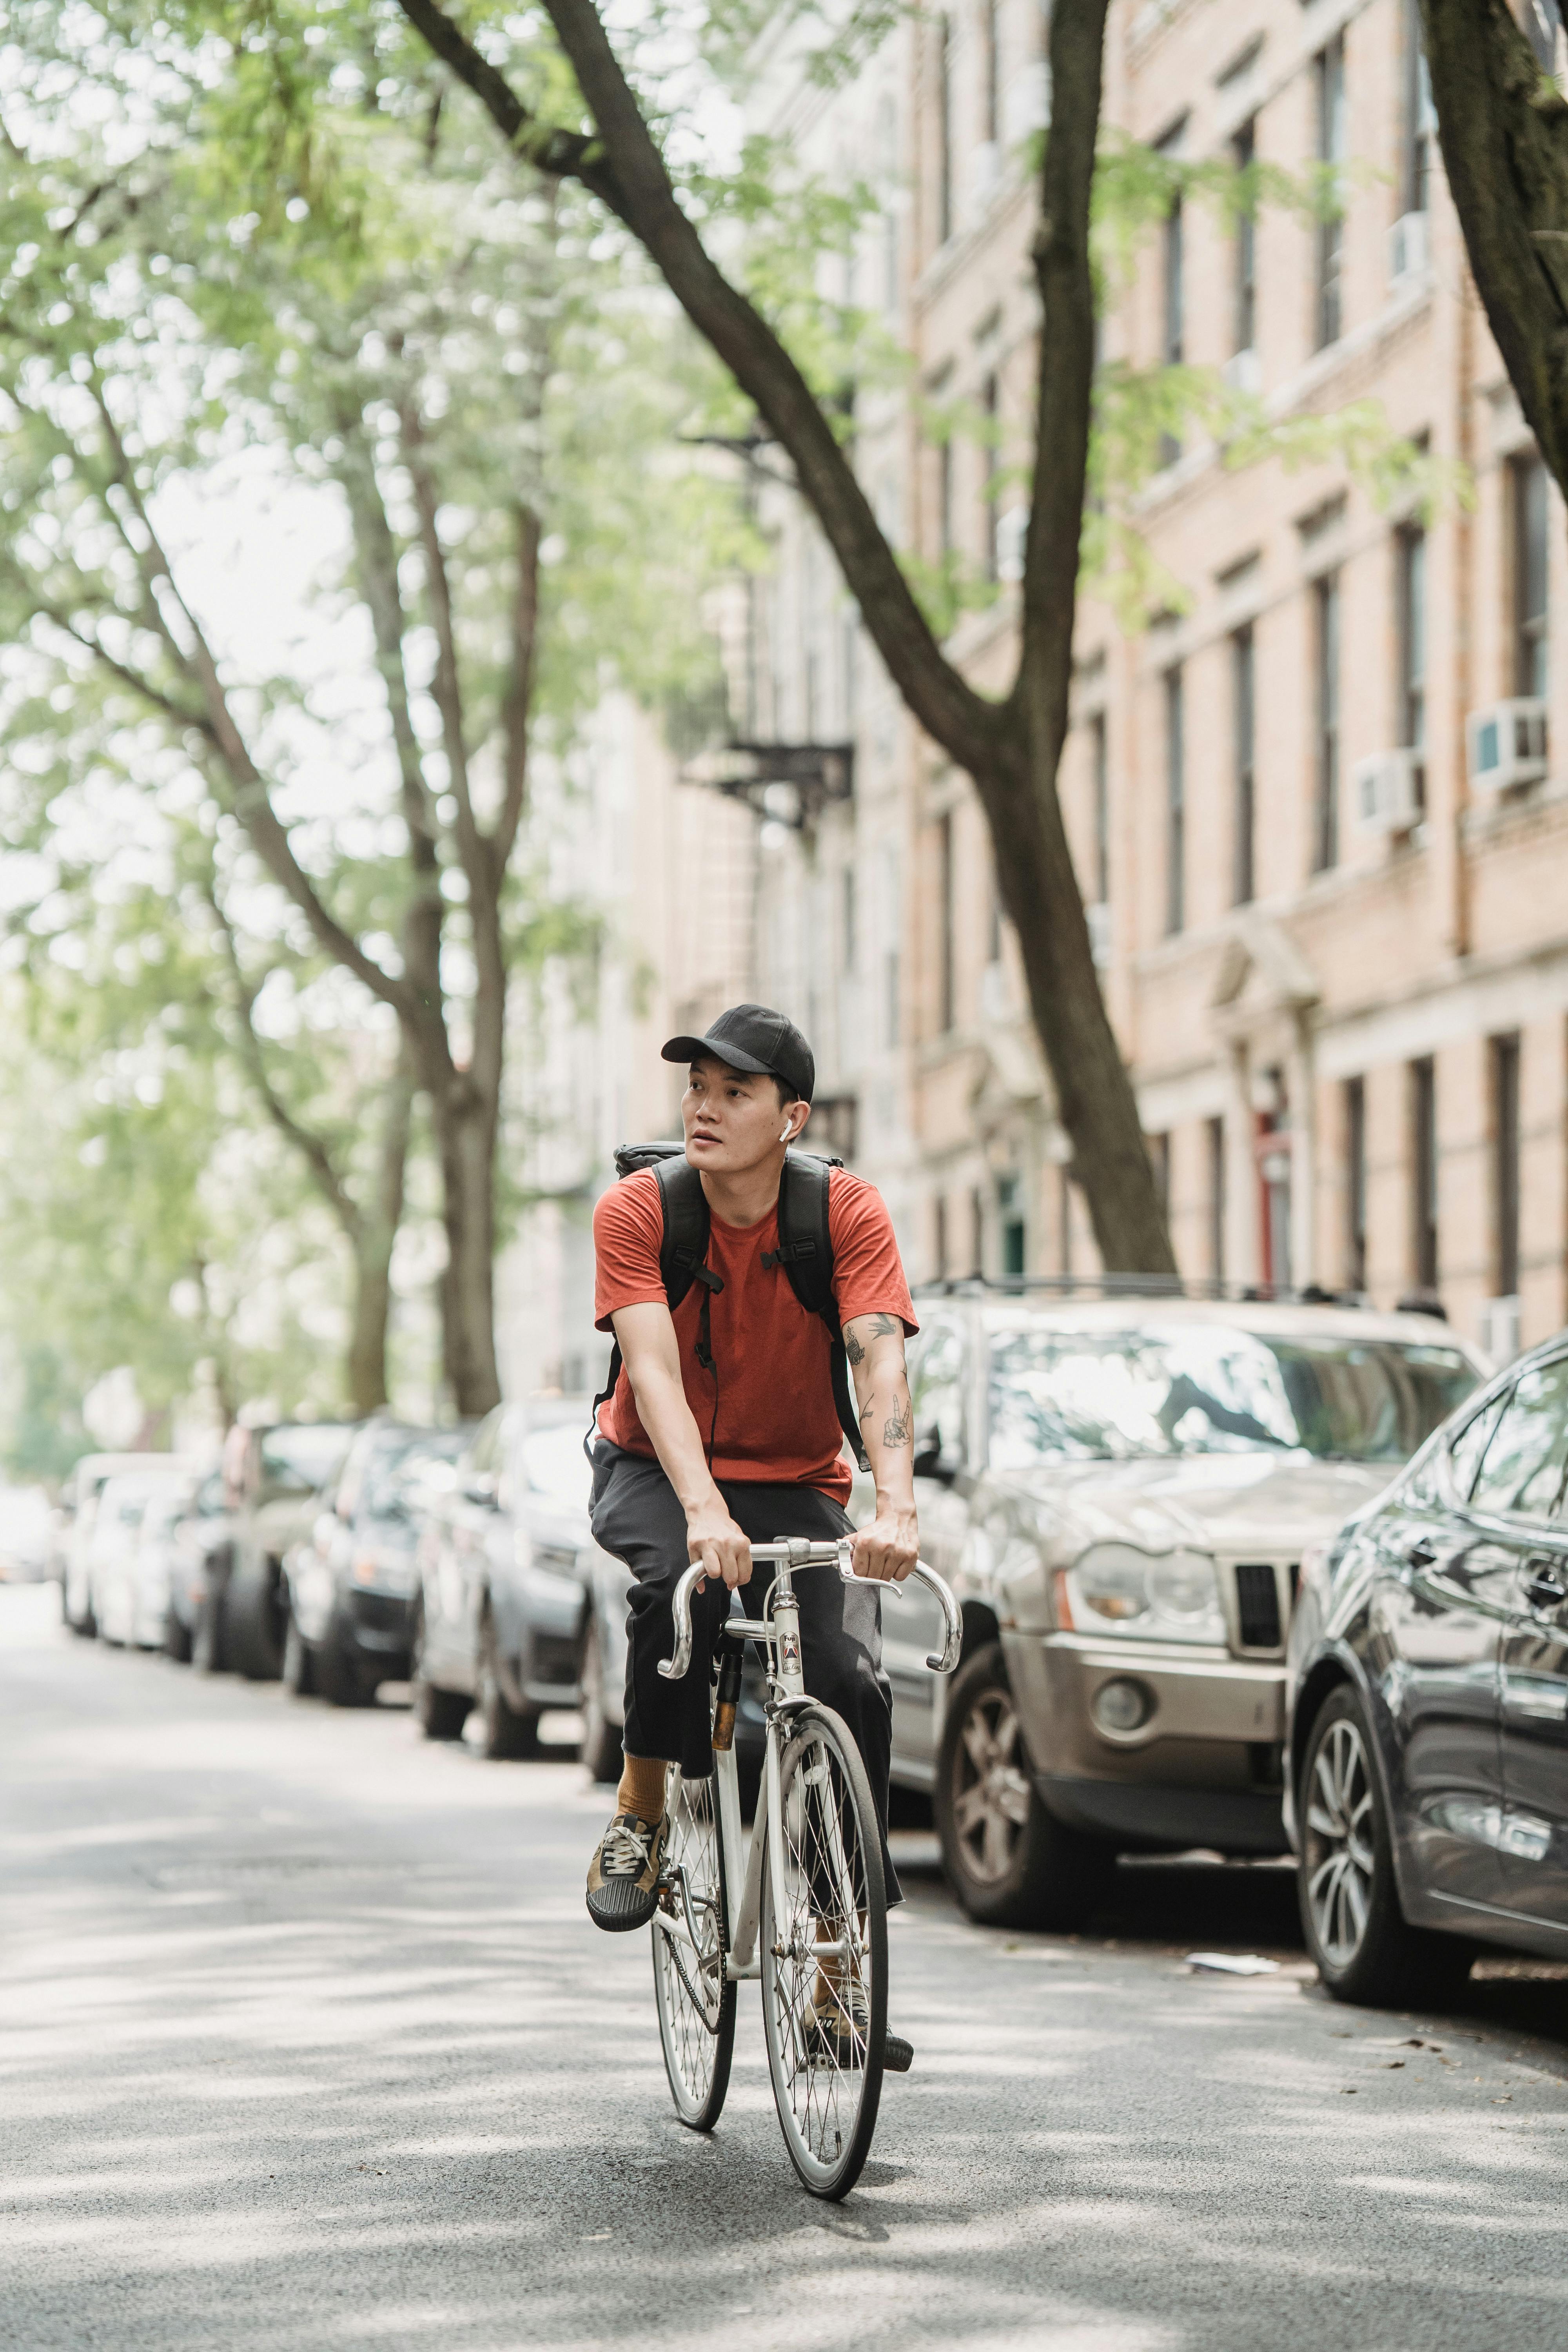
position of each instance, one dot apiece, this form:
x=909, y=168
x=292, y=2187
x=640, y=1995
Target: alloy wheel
x=991, y=1788
x=1340, y=1860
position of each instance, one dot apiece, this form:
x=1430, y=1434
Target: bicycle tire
x=698, y=2036
x=827, y=2110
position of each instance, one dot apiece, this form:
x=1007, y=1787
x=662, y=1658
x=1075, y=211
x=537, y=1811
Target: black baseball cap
x=753, y=1037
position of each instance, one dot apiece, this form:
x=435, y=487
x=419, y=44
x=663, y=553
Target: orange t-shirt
x=771, y=1384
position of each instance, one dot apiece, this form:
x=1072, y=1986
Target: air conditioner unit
x=1390, y=790
x=1099, y=933
x=1508, y=744
x=1244, y=372
x=1500, y=1328
x=1407, y=248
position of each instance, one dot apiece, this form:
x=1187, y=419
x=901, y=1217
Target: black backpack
x=805, y=1252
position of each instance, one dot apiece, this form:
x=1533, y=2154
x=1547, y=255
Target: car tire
x=178, y=1641
x=299, y=1665
x=441, y=1714
x=1363, y=1947
x=253, y=1630
x=1009, y=1861
x=509, y=1734
x=601, y=1738
x=341, y=1680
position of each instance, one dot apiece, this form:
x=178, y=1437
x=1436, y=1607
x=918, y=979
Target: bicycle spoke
x=696, y=2007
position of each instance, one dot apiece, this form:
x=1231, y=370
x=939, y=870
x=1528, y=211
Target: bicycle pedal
x=898, y=2055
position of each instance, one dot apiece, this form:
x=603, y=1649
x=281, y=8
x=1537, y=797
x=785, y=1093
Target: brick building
x=1318, y=803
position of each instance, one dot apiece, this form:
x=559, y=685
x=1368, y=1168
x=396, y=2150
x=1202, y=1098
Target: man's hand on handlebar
x=887, y=1546
x=714, y=1541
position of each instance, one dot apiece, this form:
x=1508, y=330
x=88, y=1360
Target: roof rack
x=1136, y=1285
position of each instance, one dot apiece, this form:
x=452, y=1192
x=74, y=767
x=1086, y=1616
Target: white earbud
x=784, y=1137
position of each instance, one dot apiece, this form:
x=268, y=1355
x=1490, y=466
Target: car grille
x=1259, y=1623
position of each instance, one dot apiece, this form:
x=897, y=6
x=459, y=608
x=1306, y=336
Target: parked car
x=202, y=1529
x=27, y=1535
x=1120, y=1491
x=130, y=1598
x=118, y=1531
x=351, y=1581
x=84, y=1483
x=1428, y=1792
x=519, y=1609
x=272, y=1476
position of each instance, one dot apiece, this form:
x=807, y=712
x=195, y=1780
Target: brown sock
x=642, y=1788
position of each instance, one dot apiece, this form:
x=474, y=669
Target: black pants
x=637, y=1518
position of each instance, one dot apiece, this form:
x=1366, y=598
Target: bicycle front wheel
x=696, y=2001
x=824, y=1961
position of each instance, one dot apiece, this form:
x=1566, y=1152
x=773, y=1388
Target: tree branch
x=311, y=1146
x=517, y=708
x=962, y=721
x=445, y=687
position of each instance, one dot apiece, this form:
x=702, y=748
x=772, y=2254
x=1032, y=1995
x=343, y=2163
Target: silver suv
x=1120, y=1491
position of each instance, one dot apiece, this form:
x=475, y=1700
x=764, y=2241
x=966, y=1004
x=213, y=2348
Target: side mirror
x=929, y=1460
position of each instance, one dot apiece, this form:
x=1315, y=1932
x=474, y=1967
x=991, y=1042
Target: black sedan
x=1427, y=1790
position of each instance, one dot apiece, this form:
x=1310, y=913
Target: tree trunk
x=465, y=1122
x=1503, y=130
x=373, y=1245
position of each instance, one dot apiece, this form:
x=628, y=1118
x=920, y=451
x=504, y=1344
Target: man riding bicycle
x=722, y=1429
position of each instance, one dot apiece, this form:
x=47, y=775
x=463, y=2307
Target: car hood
x=1224, y=1502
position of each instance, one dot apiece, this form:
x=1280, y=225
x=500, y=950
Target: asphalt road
x=305, y=2040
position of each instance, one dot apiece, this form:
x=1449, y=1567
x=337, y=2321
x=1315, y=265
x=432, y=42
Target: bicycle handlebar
x=796, y=1552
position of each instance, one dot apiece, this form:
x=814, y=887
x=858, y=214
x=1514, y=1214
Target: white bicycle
x=805, y=1908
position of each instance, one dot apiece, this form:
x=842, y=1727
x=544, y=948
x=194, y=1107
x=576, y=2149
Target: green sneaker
x=623, y=1877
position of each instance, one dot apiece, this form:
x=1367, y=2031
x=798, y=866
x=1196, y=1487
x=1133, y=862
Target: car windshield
x=300, y=1456
x=555, y=1464
x=1202, y=1388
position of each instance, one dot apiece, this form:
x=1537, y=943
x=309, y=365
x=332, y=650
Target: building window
x=1326, y=723
x=1531, y=523
x=940, y=1238
x=1100, y=754
x=1244, y=743
x=1160, y=1162
x=947, y=977
x=1505, y=1163
x=1420, y=125
x=1423, y=1172
x=1215, y=1131
x=1329, y=72
x=1410, y=555
x=944, y=130
x=990, y=459
x=1244, y=258
x=1355, y=1184
x=1174, y=337
x=993, y=66
x=1175, y=804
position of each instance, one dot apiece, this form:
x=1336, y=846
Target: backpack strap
x=806, y=1253
x=683, y=1250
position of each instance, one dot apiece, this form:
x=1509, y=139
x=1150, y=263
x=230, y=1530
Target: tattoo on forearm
x=896, y=1428
x=853, y=1349
x=882, y=1325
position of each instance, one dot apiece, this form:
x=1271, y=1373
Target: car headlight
x=1170, y=1596
x=388, y=1571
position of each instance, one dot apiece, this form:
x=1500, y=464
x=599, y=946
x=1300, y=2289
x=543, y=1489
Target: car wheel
x=441, y=1714
x=298, y=1666
x=601, y=1738
x=508, y=1733
x=339, y=1678
x=1364, y=1949
x=177, y=1641
x=1009, y=1862
x=253, y=1629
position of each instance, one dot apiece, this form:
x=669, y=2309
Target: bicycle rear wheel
x=696, y=2001
x=825, y=1963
